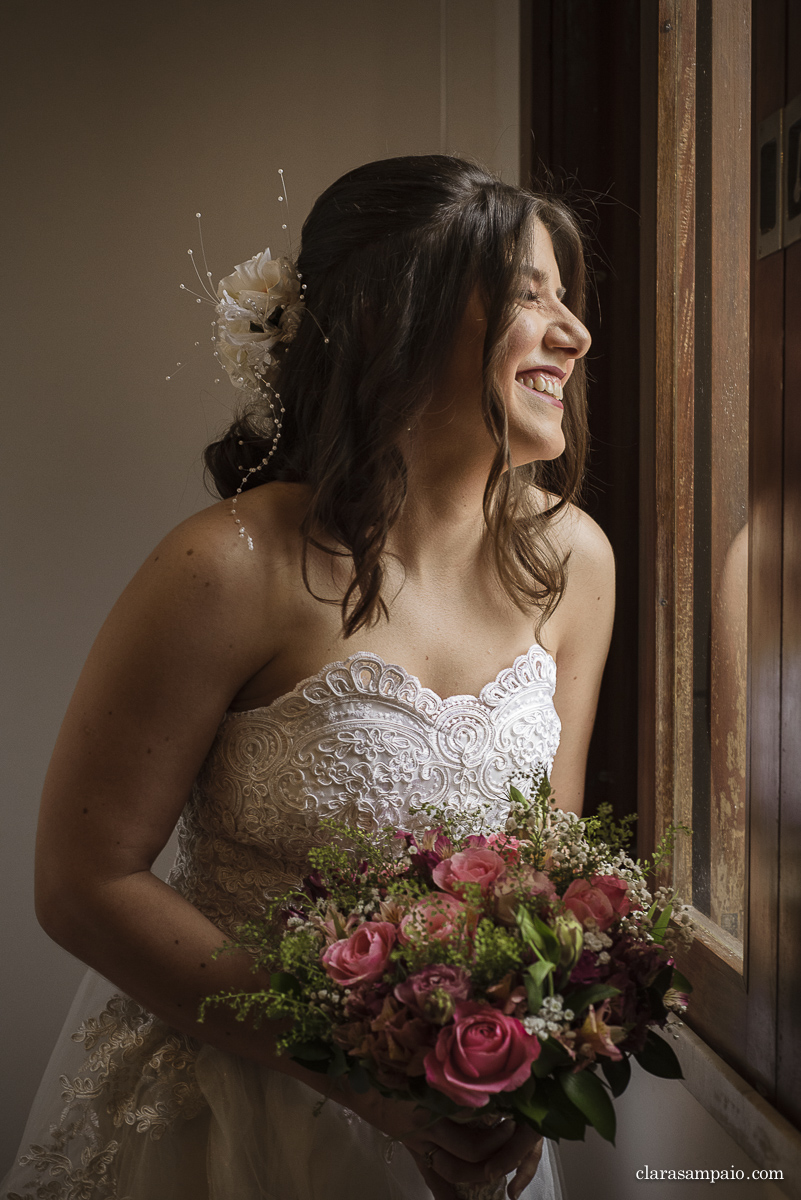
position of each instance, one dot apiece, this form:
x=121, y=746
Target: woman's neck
x=442, y=523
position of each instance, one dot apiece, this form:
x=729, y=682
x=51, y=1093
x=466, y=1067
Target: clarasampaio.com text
x=709, y=1174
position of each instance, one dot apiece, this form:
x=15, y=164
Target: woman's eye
x=531, y=297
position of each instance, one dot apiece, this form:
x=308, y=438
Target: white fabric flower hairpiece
x=259, y=308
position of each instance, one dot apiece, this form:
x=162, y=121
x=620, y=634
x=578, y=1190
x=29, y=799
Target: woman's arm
x=184, y=636
x=580, y=629
x=197, y=621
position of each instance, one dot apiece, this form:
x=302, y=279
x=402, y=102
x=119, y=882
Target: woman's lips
x=543, y=384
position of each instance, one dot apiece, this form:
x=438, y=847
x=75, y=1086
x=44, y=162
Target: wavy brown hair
x=390, y=254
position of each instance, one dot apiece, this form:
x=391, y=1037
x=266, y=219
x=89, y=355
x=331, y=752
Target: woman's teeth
x=543, y=383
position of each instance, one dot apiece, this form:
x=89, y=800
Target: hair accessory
x=258, y=308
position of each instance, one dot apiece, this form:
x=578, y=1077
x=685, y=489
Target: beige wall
x=121, y=121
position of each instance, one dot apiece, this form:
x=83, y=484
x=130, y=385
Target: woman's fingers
x=525, y=1172
x=439, y=1187
x=521, y=1154
x=469, y=1143
x=448, y=1158
x=456, y=1170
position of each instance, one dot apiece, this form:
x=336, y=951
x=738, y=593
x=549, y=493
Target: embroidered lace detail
x=139, y=1073
x=363, y=742
x=89, y=1179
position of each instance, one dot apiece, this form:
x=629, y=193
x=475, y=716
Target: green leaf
x=524, y=1092
x=535, y=1109
x=662, y=980
x=660, y=926
x=583, y=998
x=551, y=1056
x=658, y=1010
x=285, y=984
x=563, y=1119
x=681, y=982
x=518, y=797
x=617, y=1074
x=659, y=1058
x=589, y=1095
x=538, y=935
x=534, y=978
x=555, y=1126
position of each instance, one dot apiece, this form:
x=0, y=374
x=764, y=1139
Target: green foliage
x=664, y=847
x=496, y=952
x=617, y=1074
x=681, y=982
x=361, y=875
x=534, y=979
x=658, y=1058
x=552, y=1055
x=563, y=1119
x=617, y=835
x=594, y=993
x=538, y=936
x=585, y=1090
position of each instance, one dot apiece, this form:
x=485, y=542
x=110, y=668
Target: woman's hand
x=448, y=1152
x=520, y=1151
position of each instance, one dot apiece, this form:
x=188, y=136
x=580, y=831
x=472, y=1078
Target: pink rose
x=476, y=864
x=616, y=891
x=588, y=902
x=436, y=917
x=363, y=957
x=506, y=845
x=433, y=991
x=482, y=1052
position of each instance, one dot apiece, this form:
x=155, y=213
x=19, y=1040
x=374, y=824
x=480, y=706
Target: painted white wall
x=661, y=1126
x=122, y=121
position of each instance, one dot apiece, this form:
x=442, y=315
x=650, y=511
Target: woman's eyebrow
x=541, y=277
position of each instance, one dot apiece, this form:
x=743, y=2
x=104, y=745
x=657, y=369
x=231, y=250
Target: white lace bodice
x=362, y=741
x=135, y=1108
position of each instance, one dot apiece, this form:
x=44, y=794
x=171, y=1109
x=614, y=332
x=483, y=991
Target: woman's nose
x=569, y=336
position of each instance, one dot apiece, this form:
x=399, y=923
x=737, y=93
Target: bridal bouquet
x=477, y=974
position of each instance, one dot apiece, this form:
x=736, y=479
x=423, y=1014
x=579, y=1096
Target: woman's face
x=540, y=351
x=538, y=354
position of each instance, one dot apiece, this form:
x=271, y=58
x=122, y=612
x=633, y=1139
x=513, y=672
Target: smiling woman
x=408, y=499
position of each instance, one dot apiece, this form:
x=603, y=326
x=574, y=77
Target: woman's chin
x=543, y=449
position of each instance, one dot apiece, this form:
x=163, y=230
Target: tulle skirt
x=129, y=1109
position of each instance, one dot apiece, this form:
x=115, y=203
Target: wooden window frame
x=733, y=1009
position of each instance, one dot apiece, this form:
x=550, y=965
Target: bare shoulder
x=587, y=548
x=586, y=610
x=236, y=545
x=208, y=595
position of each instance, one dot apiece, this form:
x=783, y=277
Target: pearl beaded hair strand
x=258, y=309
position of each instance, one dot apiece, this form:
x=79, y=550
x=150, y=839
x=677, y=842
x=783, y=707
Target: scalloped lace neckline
x=533, y=651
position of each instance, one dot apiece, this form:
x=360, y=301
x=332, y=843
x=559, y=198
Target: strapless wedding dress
x=130, y=1109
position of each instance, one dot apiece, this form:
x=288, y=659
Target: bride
x=410, y=571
